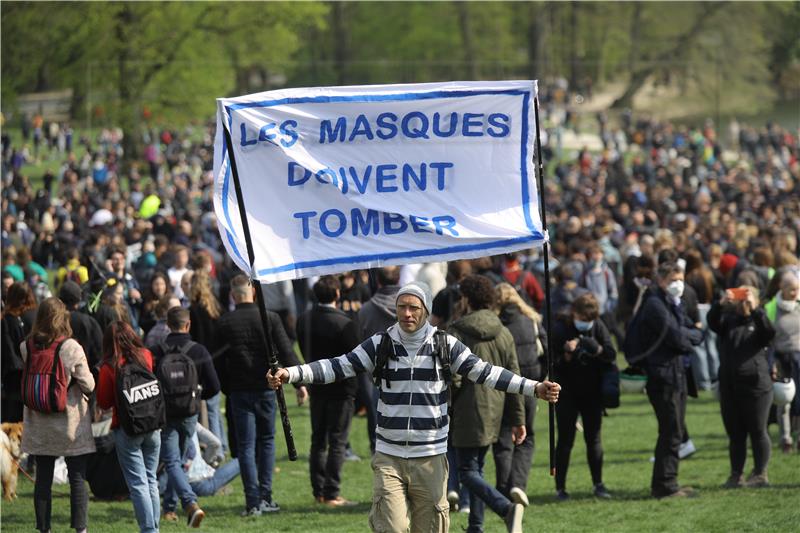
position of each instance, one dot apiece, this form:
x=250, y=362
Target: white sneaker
x=687, y=448
x=518, y=496
x=253, y=511
x=268, y=506
x=452, y=499
x=514, y=518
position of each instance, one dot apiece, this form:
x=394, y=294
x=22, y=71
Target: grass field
x=629, y=435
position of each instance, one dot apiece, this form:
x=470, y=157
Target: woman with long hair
x=157, y=288
x=138, y=455
x=19, y=314
x=68, y=433
x=513, y=463
x=745, y=383
x=204, y=310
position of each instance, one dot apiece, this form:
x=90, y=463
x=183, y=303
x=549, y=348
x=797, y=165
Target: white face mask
x=675, y=289
x=786, y=306
x=580, y=325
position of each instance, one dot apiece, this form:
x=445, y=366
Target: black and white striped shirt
x=413, y=419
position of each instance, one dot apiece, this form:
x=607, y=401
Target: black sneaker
x=600, y=491
x=562, y=495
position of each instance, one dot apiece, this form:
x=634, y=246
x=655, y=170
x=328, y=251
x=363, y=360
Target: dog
x=10, y=453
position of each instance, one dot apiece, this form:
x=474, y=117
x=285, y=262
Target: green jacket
x=477, y=411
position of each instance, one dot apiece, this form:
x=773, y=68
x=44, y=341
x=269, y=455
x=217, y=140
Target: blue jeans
x=138, y=459
x=453, y=483
x=215, y=424
x=208, y=487
x=254, y=421
x=175, y=437
x=470, y=470
x=705, y=357
x=222, y=476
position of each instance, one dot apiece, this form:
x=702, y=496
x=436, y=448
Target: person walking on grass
x=253, y=404
x=410, y=465
x=138, y=454
x=68, y=433
x=181, y=416
x=745, y=384
x=513, y=463
x=322, y=332
x=483, y=333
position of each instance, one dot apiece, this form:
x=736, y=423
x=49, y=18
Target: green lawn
x=629, y=436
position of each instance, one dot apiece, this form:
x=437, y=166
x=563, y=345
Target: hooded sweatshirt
x=478, y=411
x=380, y=312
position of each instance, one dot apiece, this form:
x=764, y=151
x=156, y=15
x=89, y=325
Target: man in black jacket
x=85, y=328
x=243, y=367
x=323, y=332
x=674, y=334
x=177, y=434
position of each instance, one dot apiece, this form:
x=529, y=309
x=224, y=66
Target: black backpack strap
x=442, y=352
x=188, y=345
x=384, y=352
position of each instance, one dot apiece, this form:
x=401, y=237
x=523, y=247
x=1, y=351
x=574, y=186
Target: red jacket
x=107, y=386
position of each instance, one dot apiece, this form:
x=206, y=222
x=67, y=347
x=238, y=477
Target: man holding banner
x=321, y=180
x=413, y=375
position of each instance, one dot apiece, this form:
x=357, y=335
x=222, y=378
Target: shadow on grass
x=585, y=497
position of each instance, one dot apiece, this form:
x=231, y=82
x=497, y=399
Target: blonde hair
x=202, y=295
x=507, y=295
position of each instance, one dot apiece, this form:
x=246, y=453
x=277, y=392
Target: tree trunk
x=340, y=46
x=683, y=43
x=573, y=52
x=536, y=33
x=128, y=107
x=467, y=43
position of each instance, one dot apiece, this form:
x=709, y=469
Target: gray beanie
x=419, y=289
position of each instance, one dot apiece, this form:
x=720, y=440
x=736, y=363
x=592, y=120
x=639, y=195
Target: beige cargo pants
x=409, y=492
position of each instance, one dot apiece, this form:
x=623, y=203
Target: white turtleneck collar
x=413, y=341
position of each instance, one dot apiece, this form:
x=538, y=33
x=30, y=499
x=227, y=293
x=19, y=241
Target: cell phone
x=737, y=294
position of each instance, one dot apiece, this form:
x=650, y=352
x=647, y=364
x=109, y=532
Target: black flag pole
x=273, y=355
x=545, y=251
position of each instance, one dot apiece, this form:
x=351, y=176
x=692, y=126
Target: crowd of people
x=691, y=239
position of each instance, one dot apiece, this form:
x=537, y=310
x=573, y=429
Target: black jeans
x=367, y=395
x=669, y=404
x=513, y=463
x=78, y=493
x=589, y=405
x=330, y=426
x=746, y=415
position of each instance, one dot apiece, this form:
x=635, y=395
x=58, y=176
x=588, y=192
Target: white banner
x=341, y=178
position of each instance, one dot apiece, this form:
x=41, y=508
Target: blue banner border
x=526, y=206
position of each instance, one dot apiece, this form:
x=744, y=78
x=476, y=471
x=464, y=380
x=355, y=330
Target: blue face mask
x=580, y=325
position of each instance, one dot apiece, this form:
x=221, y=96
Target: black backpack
x=635, y=346
x=140, y=402
x=386, y=352
x=178, y=376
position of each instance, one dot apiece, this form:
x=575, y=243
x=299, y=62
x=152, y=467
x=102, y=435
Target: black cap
x=70, y=293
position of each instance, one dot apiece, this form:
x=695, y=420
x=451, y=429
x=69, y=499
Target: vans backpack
x=44, y=380
x=178, y=376
x=140, y=402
